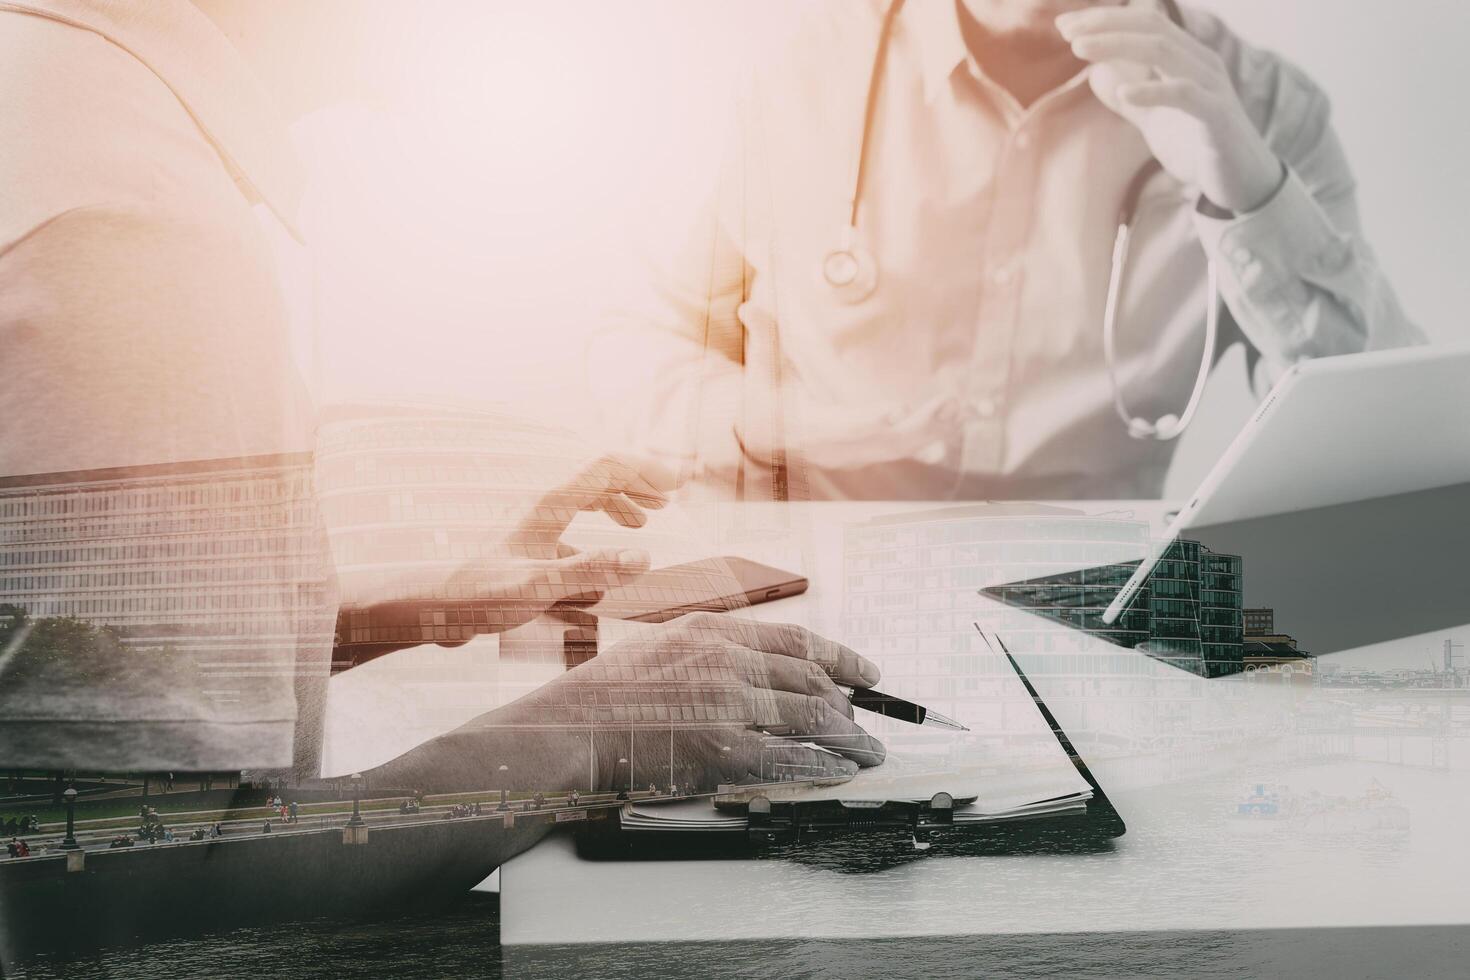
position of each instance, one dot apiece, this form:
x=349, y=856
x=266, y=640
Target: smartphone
x=710, y=585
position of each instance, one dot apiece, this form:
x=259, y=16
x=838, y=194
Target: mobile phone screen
x=711, y=585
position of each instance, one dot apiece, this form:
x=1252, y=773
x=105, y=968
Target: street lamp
x=69, y=843
x=356, y=820
x=504, y=771
x=623, y=761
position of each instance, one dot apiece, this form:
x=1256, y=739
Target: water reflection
x=464, y=941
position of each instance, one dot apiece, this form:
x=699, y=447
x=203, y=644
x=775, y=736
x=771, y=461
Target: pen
x=892, y=707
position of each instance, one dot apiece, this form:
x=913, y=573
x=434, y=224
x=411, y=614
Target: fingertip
x=620, y=563
x=634, y=561
x=1069, y=23
x=627, y=514
x=642, y=491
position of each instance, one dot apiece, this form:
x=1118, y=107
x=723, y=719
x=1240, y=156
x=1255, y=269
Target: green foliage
x=65, y=651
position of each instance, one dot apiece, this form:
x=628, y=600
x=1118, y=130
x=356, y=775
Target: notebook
x=1016, y=768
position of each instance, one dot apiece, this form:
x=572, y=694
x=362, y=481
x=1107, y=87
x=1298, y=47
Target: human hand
x=517, y=572
x=703, y=700
x=1178, y=94
x=609, y=484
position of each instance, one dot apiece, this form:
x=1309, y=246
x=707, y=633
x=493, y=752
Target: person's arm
x=1297, y=274
x=737, y=701
x=669, y=366
x=1278, y=211
x=727, y=700
x=144, y=337
x=521, y=569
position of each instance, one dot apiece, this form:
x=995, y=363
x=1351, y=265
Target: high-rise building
x=1221, y=625
x=1188, y=614
x=205, y=590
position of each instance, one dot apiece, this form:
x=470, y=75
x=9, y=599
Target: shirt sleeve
x=1298, y=275
x=670, y=364
x=138, y=339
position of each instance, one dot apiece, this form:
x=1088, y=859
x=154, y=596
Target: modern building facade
x=208, y=585
x=1188, y=614
x=1221, y=623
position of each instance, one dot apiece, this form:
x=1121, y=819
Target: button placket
x=998, y=315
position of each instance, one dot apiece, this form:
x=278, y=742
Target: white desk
x=1378, y=784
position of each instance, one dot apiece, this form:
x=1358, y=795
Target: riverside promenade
x=323, y=865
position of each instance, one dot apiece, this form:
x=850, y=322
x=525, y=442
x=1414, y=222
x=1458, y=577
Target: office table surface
x=1370, y=788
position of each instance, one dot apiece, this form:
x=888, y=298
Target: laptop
x=1347, y=495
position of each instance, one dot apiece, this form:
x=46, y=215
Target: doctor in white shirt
x=901, y=288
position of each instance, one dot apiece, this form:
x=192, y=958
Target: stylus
x=892, y=707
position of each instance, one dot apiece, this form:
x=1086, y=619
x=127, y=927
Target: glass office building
x=912, y=580
x=175, y=594
x=1188, y=614
x=1222, y=627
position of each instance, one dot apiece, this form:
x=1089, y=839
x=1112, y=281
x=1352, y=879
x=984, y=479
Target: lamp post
x=623, y=761
x=356, y=820
x=69, y=843
x=504, y=771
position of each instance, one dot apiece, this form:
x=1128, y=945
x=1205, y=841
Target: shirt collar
x=207, y=74
x=935, y=26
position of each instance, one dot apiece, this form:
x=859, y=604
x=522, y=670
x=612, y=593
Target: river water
x=463, y=941
x=849, y=892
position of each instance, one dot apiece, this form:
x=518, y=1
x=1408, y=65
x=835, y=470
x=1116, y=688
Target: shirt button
x=986, y=408
x=1001, y=276
x=1023, y=141
x=1241, y=255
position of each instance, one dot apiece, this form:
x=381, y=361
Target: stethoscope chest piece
x=852, y=272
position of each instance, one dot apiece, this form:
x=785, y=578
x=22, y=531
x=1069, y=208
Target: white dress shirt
x=976, y=367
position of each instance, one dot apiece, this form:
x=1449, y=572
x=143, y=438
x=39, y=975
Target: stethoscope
x=852, y=271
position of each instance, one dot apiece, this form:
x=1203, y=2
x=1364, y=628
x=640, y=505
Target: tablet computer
x=1347, y=496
